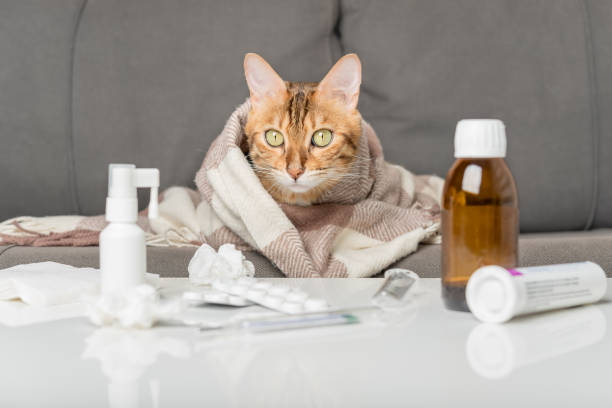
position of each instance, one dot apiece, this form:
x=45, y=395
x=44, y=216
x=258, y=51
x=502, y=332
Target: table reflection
x=496, y=350
x=285, y=368
x=124, y=355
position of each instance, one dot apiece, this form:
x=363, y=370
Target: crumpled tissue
x=208, y=265
x=139, y=309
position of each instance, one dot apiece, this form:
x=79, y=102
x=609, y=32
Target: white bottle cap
x=491, y=294
x=480, y=138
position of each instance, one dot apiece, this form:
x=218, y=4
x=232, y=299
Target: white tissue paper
x=139, y=309
x=47, y=283
x=207, y=265
x=21, y=314
x=51, y=291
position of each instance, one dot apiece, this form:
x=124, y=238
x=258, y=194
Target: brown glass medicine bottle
x=479, y=208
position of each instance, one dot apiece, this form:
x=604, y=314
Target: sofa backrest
x=151, y=82
x=544, y=67
x=35, y=121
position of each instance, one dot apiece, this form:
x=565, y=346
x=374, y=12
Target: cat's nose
x=295, y=173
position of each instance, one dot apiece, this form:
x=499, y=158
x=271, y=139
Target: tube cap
x=480, y=138
x=491, y=294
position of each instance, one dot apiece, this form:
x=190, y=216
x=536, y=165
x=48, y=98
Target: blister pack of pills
x=215, y=297
x=279, y=297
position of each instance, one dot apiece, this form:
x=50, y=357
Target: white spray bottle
x=123, y=256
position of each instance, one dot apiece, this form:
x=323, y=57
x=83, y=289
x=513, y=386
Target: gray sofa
x=84, y=83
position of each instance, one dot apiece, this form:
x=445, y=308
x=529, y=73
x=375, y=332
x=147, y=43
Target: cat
x=302, y=137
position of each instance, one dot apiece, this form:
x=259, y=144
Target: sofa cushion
x=599, y=14
x=167, y=262
x=427, y=64
x=36, y=39
x=534, y=249
x=156, y=80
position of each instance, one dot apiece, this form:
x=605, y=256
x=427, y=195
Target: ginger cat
x=302, y=138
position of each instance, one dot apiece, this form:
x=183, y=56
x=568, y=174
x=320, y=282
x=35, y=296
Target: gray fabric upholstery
x=155, y=80
x=430, y=63
x=600, y=16
x=35, y=80
x=534, y=249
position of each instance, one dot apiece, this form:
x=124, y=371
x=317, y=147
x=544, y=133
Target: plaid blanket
x=358, y=227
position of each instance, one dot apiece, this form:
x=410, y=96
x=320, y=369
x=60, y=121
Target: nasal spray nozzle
x=123, y=257
x=123, y=180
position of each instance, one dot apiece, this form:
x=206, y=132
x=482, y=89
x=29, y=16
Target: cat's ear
x=263, y=81
x=343, y=80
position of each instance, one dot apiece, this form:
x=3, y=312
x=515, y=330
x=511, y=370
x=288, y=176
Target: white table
x=426, y=357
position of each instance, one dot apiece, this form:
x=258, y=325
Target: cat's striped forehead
x=300, y=111
x=299, y=102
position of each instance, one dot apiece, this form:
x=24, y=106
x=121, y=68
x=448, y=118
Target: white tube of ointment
x=495, y=294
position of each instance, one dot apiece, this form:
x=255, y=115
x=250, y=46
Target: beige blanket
x=358, y=228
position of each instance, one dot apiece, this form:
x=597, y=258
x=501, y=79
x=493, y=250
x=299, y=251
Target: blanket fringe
x=77, y=237
x=173, y=238
x=38, y=232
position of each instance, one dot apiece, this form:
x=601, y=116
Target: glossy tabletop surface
x=422, y=356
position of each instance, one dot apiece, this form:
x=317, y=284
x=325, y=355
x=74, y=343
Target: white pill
x=273, y=302
x=291, y=307
x=239, y=290
x=190, y=295
x=237, y=301
x=145, y=290
x=279, y=290
x=315, y=304
x=256, y=295
x=246, y=281
x=216, y=297
x=223, y=286
x=297, y=296
x=262, y=285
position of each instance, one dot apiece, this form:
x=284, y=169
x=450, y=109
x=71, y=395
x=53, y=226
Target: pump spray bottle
x=123, y=257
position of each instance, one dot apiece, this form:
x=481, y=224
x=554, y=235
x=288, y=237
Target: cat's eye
x=322, y=137
x=274, y=137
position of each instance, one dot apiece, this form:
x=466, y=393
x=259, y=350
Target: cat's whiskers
x=265, y=170
x=328, y=177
